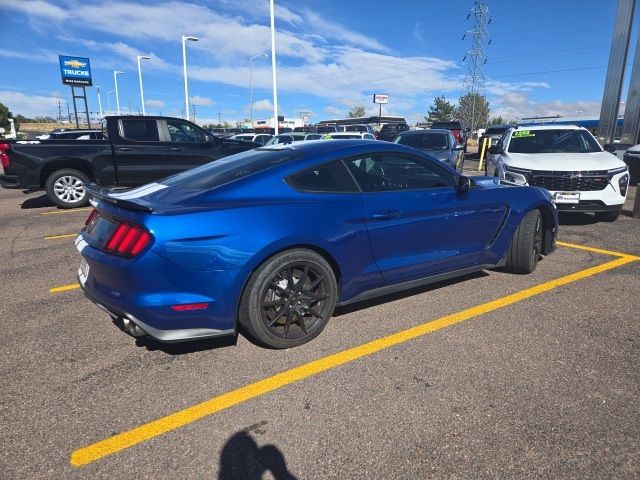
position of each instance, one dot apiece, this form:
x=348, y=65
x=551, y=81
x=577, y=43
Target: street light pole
x=115, y=81
x=273, y=67
x=141, y=57
x=186, y=38
x=109, y=101
x=251, y=82
x=99, y=102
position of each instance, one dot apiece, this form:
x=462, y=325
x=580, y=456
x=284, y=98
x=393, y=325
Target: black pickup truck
x=136, y=150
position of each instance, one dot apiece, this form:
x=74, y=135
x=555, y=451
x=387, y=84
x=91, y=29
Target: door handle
x=386, y=215
x=175, y=149
x=124, y=149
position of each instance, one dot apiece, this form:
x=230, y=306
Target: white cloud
x=517, y=105
x=201, y=101
x=417, y=32
x=38, y=56
x=29, y=105
x=155, y=103
x=36, y=8
x=262, y=105
x=334, y=111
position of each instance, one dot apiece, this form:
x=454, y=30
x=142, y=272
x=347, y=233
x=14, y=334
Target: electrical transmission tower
x=474, y=81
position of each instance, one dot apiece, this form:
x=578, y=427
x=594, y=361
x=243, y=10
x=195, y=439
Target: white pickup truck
x=567, y=161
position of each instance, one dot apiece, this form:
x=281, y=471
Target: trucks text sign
x=75, y=71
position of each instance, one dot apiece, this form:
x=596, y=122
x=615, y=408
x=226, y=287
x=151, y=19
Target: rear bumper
x=12, y=181
x=141, y=292
x=168, y=336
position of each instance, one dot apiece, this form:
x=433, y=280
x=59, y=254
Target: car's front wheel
x=67, y=188
x=526, y=246
x=289, y=299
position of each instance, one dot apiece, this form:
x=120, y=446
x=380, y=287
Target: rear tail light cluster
x=128, y=240
x=5, y=148
x=456, y=135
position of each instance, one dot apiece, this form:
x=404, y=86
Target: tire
x=277, y=311
x=608, y=216
x=526, y=245
x=66, y=188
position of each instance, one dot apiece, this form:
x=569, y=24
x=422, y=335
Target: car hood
x=564, y=162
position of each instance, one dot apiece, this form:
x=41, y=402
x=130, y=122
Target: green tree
x=441, y=110
x=473, y=110
x=357, y=112
x=5, y=115
x=497, y=121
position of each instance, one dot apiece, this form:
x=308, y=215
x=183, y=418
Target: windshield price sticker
x=523, y=133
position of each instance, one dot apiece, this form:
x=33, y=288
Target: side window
x=392, y=172
x=140, y=130
x=330, y=177
x=182, y=132
x=368, y=136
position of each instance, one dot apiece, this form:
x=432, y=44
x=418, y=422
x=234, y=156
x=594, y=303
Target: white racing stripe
x=139, y=192
x=80, y=243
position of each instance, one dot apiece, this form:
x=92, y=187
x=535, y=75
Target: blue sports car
x=274, y=238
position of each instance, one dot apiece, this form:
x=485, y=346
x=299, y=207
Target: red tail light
x=128, y=240
x=5, y=148
x=456, y=135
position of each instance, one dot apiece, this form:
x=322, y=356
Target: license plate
x=567, y=197
x=83, y=271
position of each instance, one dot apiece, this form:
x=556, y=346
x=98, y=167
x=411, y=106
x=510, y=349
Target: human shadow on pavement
x=41, y=201
x=243, y=459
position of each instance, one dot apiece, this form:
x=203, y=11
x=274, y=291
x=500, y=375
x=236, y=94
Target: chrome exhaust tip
x=131, y=328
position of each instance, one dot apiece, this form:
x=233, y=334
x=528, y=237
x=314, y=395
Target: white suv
x=567, y=161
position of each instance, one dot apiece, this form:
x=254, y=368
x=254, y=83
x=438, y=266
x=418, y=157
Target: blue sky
x=545, y=58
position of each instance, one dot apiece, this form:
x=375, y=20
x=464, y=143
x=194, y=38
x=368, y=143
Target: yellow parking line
x=124, y=440
x=56, y=237
x=64, y=288
x=596, y=250
x=72, y=210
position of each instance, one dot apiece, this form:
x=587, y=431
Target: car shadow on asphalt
x=242, y=458
x=577, y=219
x=183, y=348
x=37, y=202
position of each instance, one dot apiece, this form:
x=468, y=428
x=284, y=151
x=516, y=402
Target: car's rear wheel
x=289, y=299
x=526, y=245
x=67, y=188
x=608, y=216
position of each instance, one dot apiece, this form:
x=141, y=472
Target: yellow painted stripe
x=178, y=419
x=71, y=210
x=56, y=237
x=596, y=250
x=64, y=288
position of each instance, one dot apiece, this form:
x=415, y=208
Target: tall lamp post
x=273, y=67
x=99, y=103
x=251, y=81
x=186, y=38
x=141, y=57
x=115, y=81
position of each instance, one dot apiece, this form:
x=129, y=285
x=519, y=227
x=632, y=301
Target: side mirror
x=496, y=150
x=209, y=139
x=609, y=147
x=464, y=184
x=459, y=146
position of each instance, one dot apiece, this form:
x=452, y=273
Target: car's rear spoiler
x=105, y=194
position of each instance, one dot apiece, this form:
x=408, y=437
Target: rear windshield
x=552, y=141
x=228, y=169
x=447, y=125
x=496, y=130
x=424, y=141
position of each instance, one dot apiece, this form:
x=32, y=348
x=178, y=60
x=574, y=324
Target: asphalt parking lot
x=489, y=376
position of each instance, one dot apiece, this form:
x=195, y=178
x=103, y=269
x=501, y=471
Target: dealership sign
x=76, y=71
x=379, y=98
